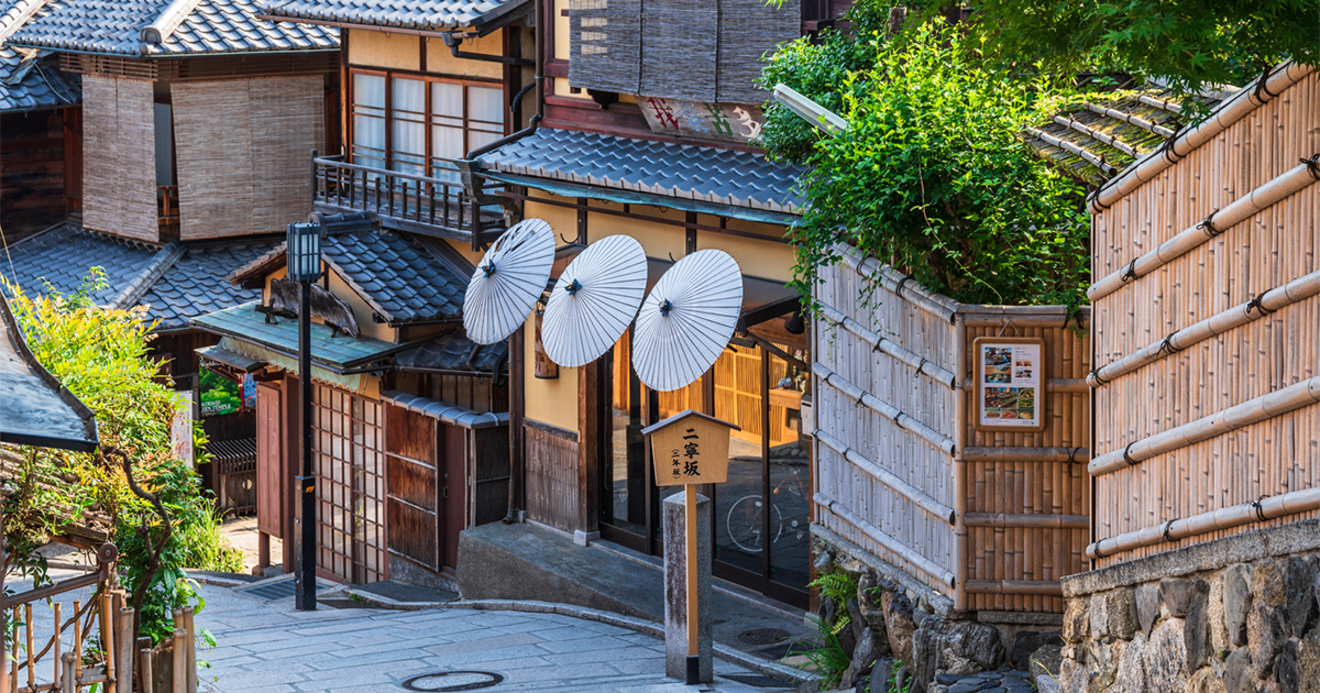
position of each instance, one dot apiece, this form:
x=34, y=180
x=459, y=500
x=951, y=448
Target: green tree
x=931, y=174
x=1189, y=43
x=169, y=523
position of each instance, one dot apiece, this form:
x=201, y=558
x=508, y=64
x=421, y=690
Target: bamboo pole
x=1097, y=134
x=124, y=649
x=180, y=659
x=1147, y=125
x=959, y=470
x=915, y=361
x=70, y=683
x=1296, y=396
x=908, y=491
x=1091, y=157
x=1273, y=300
x=888, y=542
x=1243, y=208
x=1027, y=520
x=984, y=454
x=1236, y=107
x=189, y=627
x=1264, y=510
x=896, y=283
x=899, y=418
x=148, y=670
x=13, y=655
x=107, y=635
x=1016, y=588
x=31, y=653
x=77, y=639
x=55, y=645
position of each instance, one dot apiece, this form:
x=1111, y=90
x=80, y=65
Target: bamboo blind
x=1252, y=358
x=119, y=154
x=244, y=149
x=1026, y=498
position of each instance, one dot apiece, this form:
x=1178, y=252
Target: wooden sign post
x=690, y=448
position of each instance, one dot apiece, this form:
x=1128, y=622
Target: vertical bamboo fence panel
x=992, y=520
x=1207, y=329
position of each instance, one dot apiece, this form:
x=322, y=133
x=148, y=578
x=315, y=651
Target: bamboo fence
x=1207, y=328
x=992, y=520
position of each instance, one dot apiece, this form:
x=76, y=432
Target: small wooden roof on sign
x=683, y=415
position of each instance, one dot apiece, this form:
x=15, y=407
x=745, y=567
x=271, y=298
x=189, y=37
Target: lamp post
x=303, y=253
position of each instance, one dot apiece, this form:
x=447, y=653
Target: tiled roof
x=64, y=255
x=196, y=285
x=418, y=15
x=36, y=409
x=1096, y=141
x=210, y=26
x=452, y=351
x=27, y=82
x=339, y=353
x=666, y=169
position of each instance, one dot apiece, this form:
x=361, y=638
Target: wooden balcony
x=404, y=201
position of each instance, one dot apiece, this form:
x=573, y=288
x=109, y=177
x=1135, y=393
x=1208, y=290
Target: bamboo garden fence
x=1207, y=327
x=991, y=519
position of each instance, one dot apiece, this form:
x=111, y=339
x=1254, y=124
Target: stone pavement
x=267, y=647
x=1008, y=681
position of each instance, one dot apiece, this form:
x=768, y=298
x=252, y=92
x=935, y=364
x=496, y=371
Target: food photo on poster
x=1008, y=380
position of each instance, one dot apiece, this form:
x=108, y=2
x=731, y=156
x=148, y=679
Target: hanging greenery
x=165, y=524
x=932, y=174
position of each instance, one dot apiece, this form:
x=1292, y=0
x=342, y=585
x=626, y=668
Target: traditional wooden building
x=646, y=129
x=39, y=116
x=410, y=418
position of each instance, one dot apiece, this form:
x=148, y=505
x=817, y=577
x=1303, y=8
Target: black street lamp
x=303, y=253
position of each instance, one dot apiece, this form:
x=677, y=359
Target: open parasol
x=508, y=281
x=594, y=300
x=687, y=320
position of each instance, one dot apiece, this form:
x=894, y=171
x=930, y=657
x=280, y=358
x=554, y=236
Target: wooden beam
x=588, y=488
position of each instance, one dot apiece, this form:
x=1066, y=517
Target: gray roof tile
x=214, y=26
x=418, y=15
x=195, y=284
x=402, y=280
x=63, y=256
x=451, y=352
x=28, y=80
x=667, y=169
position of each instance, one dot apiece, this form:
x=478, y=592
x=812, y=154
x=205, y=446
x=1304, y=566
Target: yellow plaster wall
x=361, y=311
x=766, y=259
x=659, y=240
x=563, y=29
x=384, y=50
x=553, y=402
x=562, y=220
x=465, y=249
x=440, y=60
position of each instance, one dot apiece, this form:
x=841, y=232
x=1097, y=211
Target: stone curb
x=217, y=580
x=807, y=682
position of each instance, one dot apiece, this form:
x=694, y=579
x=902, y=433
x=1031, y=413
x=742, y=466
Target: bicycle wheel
x=744, y=523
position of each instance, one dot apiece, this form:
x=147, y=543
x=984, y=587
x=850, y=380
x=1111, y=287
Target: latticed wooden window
x=347, y=449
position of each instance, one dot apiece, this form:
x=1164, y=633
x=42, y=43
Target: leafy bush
x=837, y=588
x=932, y=175
x=100, y=355
x=828, y=658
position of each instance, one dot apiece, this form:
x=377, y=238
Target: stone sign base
x=676, y=625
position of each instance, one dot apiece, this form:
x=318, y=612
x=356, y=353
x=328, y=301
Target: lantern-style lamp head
x=303, y=250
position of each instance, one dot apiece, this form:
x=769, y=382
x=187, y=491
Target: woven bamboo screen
x=119, y=154
x=992, y=520
x=1147, y=500
x=244, y=149
x=685, y=49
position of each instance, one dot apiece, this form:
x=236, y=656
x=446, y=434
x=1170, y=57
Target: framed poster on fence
x=1010, y=383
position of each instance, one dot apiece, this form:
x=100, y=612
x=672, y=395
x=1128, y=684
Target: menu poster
x=1009, y=383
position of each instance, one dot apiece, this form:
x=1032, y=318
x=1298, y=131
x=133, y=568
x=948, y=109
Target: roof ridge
x=21, y=18
x=174, y=14
x=147, y=278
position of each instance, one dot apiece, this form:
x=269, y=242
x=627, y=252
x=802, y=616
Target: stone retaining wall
x=1238, y=615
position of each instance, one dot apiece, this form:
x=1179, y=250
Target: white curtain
x=369, y=120
x=408, y=110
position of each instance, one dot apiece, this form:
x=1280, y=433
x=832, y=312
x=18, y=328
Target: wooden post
x=107, y=635
x=77, y=638
x=180, y=661
x=55, y=645
x=148, y=676
x=124, y=649
x=190, y=630
x=70, y=678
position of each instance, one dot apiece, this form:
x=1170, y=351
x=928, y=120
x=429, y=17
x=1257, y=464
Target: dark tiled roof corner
x=401, y=279
x=417, y=15
x=196, y=284
x=668, y=169
x=452, y=352
x=28, y=78
x=214, y=26
x=64, y=255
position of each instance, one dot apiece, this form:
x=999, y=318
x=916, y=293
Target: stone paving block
x=487, y=643
x=608, y=655
x=584, y=644
x=479, y=656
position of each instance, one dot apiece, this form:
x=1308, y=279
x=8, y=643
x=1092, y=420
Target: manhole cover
x=762, y=636
x=453, y=681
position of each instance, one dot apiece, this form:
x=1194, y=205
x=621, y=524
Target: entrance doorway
x=761, y=514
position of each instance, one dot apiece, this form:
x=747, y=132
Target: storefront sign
x=220, y=395
x=690, y=448
x=1009, y=378
x=710, y=121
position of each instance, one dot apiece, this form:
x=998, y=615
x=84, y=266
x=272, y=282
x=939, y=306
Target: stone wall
x=896, y=622
x=1238, y=615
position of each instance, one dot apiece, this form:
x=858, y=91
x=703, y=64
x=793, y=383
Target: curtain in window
x=368, y=148
x=408, y=126
x=485, y=116
x=446, y=128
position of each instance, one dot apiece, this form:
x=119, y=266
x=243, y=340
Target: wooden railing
x=404, y=201
x=167, y=209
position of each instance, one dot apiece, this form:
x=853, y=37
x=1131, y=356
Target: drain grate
x=762, y=636
x=273, y=590
x=453, y=681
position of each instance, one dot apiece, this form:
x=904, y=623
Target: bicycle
x=744, y=519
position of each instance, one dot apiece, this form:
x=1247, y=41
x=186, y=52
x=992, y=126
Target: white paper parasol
x=594, y=300
x=687, y=320
x=508, y=281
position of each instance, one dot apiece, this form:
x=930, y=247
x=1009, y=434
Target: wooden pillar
x=589, y=431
